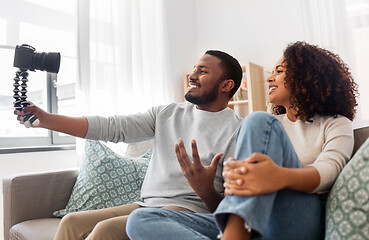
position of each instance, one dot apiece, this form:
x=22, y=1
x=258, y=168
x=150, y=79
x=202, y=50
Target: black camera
x=26, y=58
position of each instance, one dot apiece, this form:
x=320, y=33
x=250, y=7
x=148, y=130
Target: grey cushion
x=40, y=229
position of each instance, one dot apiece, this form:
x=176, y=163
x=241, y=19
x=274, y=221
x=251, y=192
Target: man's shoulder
x=173, y=108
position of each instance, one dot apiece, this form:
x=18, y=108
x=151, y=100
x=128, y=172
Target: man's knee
x=70, y=220
x=102, y=228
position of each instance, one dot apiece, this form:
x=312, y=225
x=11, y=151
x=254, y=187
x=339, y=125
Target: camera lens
x=49, y=62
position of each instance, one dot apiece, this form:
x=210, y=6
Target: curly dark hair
x=319, y=81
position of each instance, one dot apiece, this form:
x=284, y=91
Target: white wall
x=34, y=162
x=182, y=41
x=255, y=31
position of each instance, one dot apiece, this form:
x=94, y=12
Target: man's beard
x=204, y=99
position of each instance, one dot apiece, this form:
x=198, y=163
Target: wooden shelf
x=240, y=102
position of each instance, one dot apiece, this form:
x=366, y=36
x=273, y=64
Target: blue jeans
x=285, y=214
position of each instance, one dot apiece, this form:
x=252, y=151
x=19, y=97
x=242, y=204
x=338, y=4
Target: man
x=215, y=79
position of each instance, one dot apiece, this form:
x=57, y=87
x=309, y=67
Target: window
x=358, y=14
x=49, y=26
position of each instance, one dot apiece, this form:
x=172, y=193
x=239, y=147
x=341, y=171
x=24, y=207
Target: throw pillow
x=106, y=179
x=347, y=214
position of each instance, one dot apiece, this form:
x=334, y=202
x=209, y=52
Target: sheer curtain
x=123, y=57
x=342, y=26
x=124, y=65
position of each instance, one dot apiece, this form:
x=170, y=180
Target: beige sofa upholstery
x=30, y=199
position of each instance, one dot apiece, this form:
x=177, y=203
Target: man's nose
x=193, y=75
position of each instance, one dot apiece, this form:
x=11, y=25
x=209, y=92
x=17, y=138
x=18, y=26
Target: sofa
x=30, y=199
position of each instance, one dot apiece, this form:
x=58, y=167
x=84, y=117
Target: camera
x=26, y=58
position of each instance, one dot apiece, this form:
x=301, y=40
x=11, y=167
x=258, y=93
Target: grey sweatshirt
x=165, y=184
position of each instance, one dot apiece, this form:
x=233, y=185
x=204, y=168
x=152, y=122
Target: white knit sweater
x=326, y=144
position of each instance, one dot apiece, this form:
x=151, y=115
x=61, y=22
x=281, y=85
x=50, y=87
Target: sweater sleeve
x=336, y=151
x=119, y=128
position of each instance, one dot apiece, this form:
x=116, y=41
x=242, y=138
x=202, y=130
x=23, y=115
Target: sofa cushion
x=106, y=179
x=40, y=229
x=347, y=214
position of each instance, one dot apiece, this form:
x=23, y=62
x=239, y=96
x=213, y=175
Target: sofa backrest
x=360, y=135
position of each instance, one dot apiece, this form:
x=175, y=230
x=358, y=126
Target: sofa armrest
x=35, y=195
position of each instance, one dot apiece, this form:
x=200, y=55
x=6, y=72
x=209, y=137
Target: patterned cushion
x=106, y=179
x=348, y=202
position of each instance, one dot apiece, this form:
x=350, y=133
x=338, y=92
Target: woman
x=313, y=96
x=283, y=160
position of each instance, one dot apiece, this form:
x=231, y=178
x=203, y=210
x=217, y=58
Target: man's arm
x=76, y=126
x=201, y=178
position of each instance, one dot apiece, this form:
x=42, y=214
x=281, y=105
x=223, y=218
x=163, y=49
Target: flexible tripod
x=21, y=100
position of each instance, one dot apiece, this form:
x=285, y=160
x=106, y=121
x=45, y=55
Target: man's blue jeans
x=285, y=214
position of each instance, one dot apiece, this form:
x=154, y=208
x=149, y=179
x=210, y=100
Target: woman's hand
x=257, y=174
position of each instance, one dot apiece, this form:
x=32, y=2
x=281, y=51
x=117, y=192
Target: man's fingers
x=179, y=157
x=195, y=153
x=183, y=153
x=215, y=161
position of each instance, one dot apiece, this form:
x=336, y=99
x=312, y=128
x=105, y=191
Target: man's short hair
x=231, y=67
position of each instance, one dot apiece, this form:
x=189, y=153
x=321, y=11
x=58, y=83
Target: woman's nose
x=270, y=79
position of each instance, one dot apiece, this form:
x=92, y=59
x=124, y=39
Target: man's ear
x=227, y=85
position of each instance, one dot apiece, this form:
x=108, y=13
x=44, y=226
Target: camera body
x=26, y=58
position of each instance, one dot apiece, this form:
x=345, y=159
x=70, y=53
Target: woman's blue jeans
x=285, y=214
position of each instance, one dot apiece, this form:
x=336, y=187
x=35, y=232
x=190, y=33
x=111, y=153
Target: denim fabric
x=285, y=214
x=163, y=224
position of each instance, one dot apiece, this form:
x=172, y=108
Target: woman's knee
x=256, y=119
x=255, y=123
x=140, y=215
x=135, y=223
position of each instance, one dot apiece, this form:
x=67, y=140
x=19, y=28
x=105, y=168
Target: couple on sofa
x=213, y=175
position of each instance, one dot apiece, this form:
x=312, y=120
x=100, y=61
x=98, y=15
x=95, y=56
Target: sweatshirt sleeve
x=119, y=128
x=336, y=151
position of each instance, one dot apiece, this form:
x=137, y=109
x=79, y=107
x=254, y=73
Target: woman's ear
x=227, y=85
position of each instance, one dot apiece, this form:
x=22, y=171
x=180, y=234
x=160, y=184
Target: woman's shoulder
x=339, y=123
x=331, y=119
